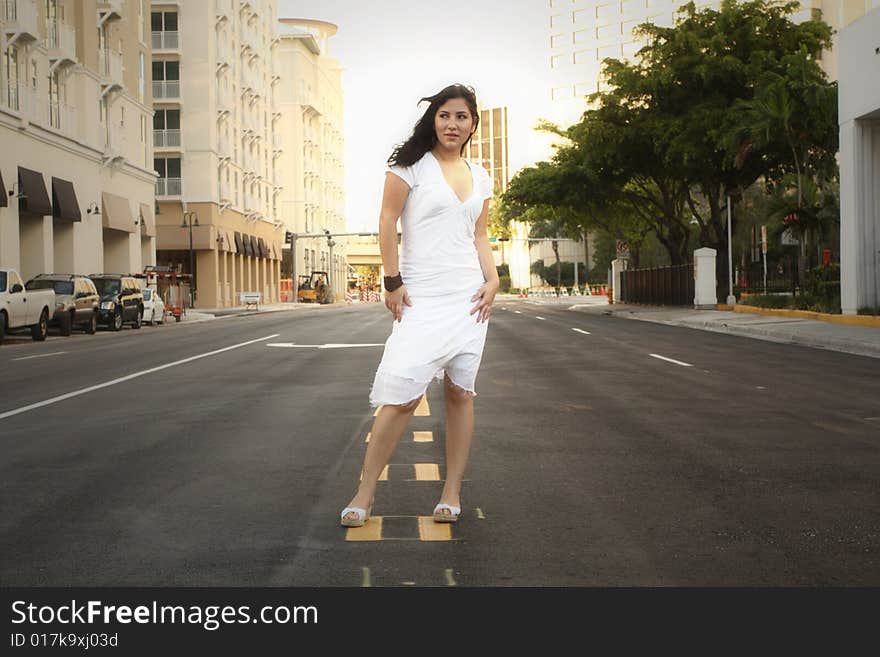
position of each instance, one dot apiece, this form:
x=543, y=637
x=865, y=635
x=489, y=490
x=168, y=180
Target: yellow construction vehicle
x=314, y=288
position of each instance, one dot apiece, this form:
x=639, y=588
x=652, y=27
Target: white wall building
x=859, y=116
x=583, y=33
x=75, y=107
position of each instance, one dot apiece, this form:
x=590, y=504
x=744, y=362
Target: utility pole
x=731, y=298
x=190, y=219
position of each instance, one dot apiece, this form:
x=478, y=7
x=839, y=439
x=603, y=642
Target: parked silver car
x=77, y=301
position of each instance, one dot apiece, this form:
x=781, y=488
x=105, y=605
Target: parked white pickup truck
x=20, y=308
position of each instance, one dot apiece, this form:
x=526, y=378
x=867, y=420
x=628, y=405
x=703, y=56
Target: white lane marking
x=450, y=580
x=518, y=312
x=57, y=353
x=539, y=317
x=107, y=384
x=580, y=331
x=365, y=579
x=672, y=360
x=480, y=514
x=291, y=345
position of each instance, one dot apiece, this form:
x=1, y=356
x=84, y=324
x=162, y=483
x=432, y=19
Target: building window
x=166, y=79
x=54, y=101
x=144, y=139
x=142, y=75
x=561, y=93
x=166, y=128
x=559, y=40
x=10, y=70
x=169, y=182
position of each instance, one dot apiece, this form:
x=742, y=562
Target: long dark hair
x=424, y=137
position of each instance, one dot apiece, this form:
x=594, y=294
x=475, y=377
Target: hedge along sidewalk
x=869, y=321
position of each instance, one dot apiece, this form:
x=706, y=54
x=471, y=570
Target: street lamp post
x=191, y=219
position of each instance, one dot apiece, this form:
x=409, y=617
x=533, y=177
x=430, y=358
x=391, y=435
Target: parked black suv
x=76, y=300
x=121, y=300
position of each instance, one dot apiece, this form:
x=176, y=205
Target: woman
x=440, y=295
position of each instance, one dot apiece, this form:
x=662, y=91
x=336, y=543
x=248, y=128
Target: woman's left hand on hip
x=486, y=295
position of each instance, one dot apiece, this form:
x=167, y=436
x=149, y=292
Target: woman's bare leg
x=388, y=427
x=459, y=435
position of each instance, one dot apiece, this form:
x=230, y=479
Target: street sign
x=493, y=239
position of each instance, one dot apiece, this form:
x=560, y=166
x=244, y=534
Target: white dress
x=441, y=269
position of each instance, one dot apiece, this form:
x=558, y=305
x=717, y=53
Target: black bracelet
x=393, y=282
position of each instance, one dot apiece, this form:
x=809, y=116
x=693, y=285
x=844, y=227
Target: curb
x=782, y=337
x=867, y=321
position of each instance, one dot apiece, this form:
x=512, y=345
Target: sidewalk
x=206, y=314
x=862, y=341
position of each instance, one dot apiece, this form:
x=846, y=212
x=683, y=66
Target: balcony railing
x=61, y=41
x=169, y=187
x=166, y=89
x=166, y=138
x=166, y=40
x=110, y=67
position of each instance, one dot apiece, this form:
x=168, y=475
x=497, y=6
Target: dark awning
x=239, y=249
x=36, y=198
x=248, y=251
x=64, y=203
x=3, y=201
x=264, y=252
x=255, y=249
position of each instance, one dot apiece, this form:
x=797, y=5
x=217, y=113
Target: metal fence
x=662, y=286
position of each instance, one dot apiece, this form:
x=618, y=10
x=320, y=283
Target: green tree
x=655, y=152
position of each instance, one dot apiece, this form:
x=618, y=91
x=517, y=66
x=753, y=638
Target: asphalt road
x=199, y=455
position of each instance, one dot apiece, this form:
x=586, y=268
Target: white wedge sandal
x=362, y=515
x=452, y=516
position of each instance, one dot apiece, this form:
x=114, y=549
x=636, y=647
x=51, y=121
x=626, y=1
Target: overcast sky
x=393, y=52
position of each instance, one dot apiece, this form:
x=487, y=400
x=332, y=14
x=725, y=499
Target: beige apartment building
x=75, y=105
x=216, y=146
x=310, y=127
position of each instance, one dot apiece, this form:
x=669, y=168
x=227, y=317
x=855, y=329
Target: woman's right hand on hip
x=395, y=301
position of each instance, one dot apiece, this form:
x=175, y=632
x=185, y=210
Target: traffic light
x=288, y=237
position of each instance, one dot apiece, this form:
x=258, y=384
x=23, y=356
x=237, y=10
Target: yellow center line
x=371, y=530
x=427, y=472
x=434, y=531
